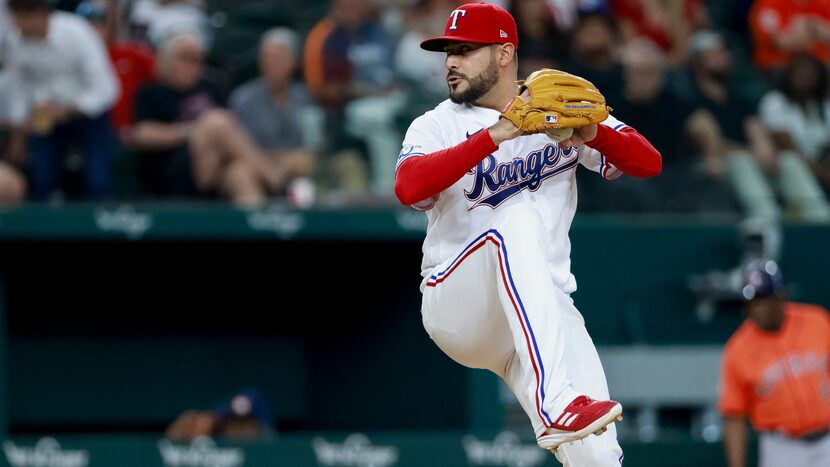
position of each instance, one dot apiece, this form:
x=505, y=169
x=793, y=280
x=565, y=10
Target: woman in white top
x=798, y=118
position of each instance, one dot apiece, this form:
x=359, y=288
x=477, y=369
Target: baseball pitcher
x=500, y=194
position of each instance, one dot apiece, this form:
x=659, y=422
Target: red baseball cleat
x=580, y=418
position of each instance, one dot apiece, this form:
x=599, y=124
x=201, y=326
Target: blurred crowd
x=307, y=101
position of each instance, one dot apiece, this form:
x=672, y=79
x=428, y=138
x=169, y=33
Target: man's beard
x=597, y=56
x=478, y=86
x=719, y=75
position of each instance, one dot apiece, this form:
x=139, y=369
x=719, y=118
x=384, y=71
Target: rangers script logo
x=495, y=183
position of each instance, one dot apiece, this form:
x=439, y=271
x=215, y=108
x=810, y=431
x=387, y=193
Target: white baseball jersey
x=529, y=169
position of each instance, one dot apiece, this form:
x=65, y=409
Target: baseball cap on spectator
x=479, y=23
x=705, y=41
x=248, y=403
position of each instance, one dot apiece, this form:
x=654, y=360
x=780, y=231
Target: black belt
x=810, y=437
x=815, y=435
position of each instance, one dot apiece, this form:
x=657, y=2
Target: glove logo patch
x=580, y=106
x=551, y=118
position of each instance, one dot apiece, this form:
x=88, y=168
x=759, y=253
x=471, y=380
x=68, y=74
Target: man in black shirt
x=594, y=41
x=750, y=158
x=189, y=144
x=687, y=137
x=736, y=114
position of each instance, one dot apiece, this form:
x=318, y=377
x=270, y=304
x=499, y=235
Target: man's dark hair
x=822, y=78
x=30, y=5
x=589, y=15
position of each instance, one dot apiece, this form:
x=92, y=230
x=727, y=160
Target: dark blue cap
x=246, y=403
x=762, y=278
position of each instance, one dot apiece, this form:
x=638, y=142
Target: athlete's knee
x=457, y=349
x=428, y=327
x=466, y=348
x=445, y=337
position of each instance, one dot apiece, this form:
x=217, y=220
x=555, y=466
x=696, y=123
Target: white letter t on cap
x=455, y=14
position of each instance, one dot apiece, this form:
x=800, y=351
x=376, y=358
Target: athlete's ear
x=505, y=54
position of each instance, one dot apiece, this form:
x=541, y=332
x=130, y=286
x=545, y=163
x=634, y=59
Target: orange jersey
x=781, y=380
x=769, y=18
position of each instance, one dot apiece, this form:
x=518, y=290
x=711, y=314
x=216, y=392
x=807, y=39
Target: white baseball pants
x=778, y=450
x=494, y=305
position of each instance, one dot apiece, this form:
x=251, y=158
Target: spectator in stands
x=189, y=144
x=6, y=32
x=424, y=73
x=271, y=107
x=693, y=180
x=348, y=69
x=12, y=182
x=175, y=16
x=782, y=28
x=775, y=372
x=711, y=65
x=12, y=186
x=649, y=104
x=566, y=13
x=133, y=62
x=739, y=133
x=347, y=54
x=667, y=23
x=798, y=115
x=740, y=130
x=157, y=20
x=62, y=88
x=544, y=44
x=594, y=53
x=137, y=17
x=244, y=416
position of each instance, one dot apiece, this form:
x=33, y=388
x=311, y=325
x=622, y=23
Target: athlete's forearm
x=734, y=441
x=422, y=177
x=628, y=150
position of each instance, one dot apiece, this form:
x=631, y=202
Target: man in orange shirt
x=776, y=371
x=783, y=28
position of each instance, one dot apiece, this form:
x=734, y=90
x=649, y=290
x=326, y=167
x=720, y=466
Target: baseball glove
x=555, y=99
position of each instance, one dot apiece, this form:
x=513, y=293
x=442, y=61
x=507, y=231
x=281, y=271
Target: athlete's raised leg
x=494, y=305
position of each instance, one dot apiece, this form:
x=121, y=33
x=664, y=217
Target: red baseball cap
x=480, y=23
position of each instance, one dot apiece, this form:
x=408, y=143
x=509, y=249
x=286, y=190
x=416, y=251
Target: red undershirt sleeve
x=628, y=150
x=422, y=177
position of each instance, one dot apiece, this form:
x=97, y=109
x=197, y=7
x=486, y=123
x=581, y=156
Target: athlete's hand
x=504, y=130
x=580, y=136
